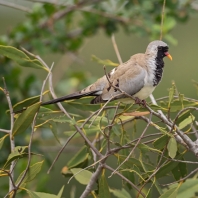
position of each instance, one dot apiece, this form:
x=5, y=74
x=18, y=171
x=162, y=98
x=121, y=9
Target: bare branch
x=93, y=180
x=184, y=178
x=12, y=143
x=116, y=49
x=15, y=6
x=60, y=151
x=32, y=134
x=5, y=131
x=162, y=19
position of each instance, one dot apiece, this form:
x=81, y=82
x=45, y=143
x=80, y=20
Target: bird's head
x=159, y=49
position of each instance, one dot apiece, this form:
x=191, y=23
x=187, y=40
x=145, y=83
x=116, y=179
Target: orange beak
x=168, y=55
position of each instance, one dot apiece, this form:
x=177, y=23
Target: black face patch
x=159, y=64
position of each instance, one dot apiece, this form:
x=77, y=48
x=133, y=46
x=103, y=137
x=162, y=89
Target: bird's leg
x=140, y=102
x=144, y=103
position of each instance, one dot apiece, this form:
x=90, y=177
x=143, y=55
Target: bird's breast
x=145, y=92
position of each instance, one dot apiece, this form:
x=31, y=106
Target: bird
x=137, y=77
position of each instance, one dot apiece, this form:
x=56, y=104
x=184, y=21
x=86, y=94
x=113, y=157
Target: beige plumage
x=137, y=77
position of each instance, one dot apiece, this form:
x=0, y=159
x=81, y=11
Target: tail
x=75, y=95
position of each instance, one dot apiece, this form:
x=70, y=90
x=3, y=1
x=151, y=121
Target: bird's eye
x=160, y=48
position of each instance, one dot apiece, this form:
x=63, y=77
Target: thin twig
x=32, y=133
x=184, y=178
x=116, y=49
x=5, y=131
x=139, y=139
x=60, y=151
x=156, y=170
x=12, y=143
x=10, y=176
x=93, y=180
x=15, y=6
x=162, y=19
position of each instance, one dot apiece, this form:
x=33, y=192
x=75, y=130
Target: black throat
x=159, y=65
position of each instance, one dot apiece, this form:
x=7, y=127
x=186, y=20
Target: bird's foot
x=140, y=102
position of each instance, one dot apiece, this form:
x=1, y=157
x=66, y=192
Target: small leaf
x=145, y=148
x=27, y=102
x=120, y=193
x=85, y=106
x=168, y=167
x=79, y=158
x=133, y=161
x=60, y=192
x=19, y=152
x=103, y=186
x=172, y=147
x=63, y=119
x=161, y=142
x=136, y=113
x=186, y=122
x=25, y=119
x=171, y=94
x=176, y=104
x=20, y=57
x=180, y=171
x=103, y=62
x=81, y=175
x=53, y=128
x=171, y=193
x=181, y=98
x=31, y=174
x=33, y=194
x=2, y=140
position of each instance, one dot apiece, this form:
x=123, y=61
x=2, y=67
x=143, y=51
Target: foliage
x=141, y=161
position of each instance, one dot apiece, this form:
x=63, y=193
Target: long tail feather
x=75, y=95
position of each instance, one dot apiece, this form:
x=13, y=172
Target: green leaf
x=145, y=148
x=33, y=194
x=184, y=116
x=172, y=147
x=120, y=193
x=171, y=94
x=180, y=171
x=85, y=107
x=133, y=161
x=63, y=119
x=176, y=104
x=188, y=188
x=106, y=62
x=61, y=192
x=161, y=142
x=79, y=158
x=2, y=140
x=186, y=122
x=171, y=193
x=20, y=57
x=25, y=119
x=27, y=102
x=103, y=186
x=19, y=152
x=81, y=175
x=168, y=167
x=53, y=128
x=31, y=174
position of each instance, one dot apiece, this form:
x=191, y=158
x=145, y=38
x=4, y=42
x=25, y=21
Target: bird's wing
x=128, y=77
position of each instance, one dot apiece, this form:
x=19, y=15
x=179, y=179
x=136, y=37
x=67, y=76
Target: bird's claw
x=140, y=102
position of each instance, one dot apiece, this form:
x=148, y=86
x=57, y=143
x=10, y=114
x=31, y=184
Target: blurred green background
x=182, y=70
